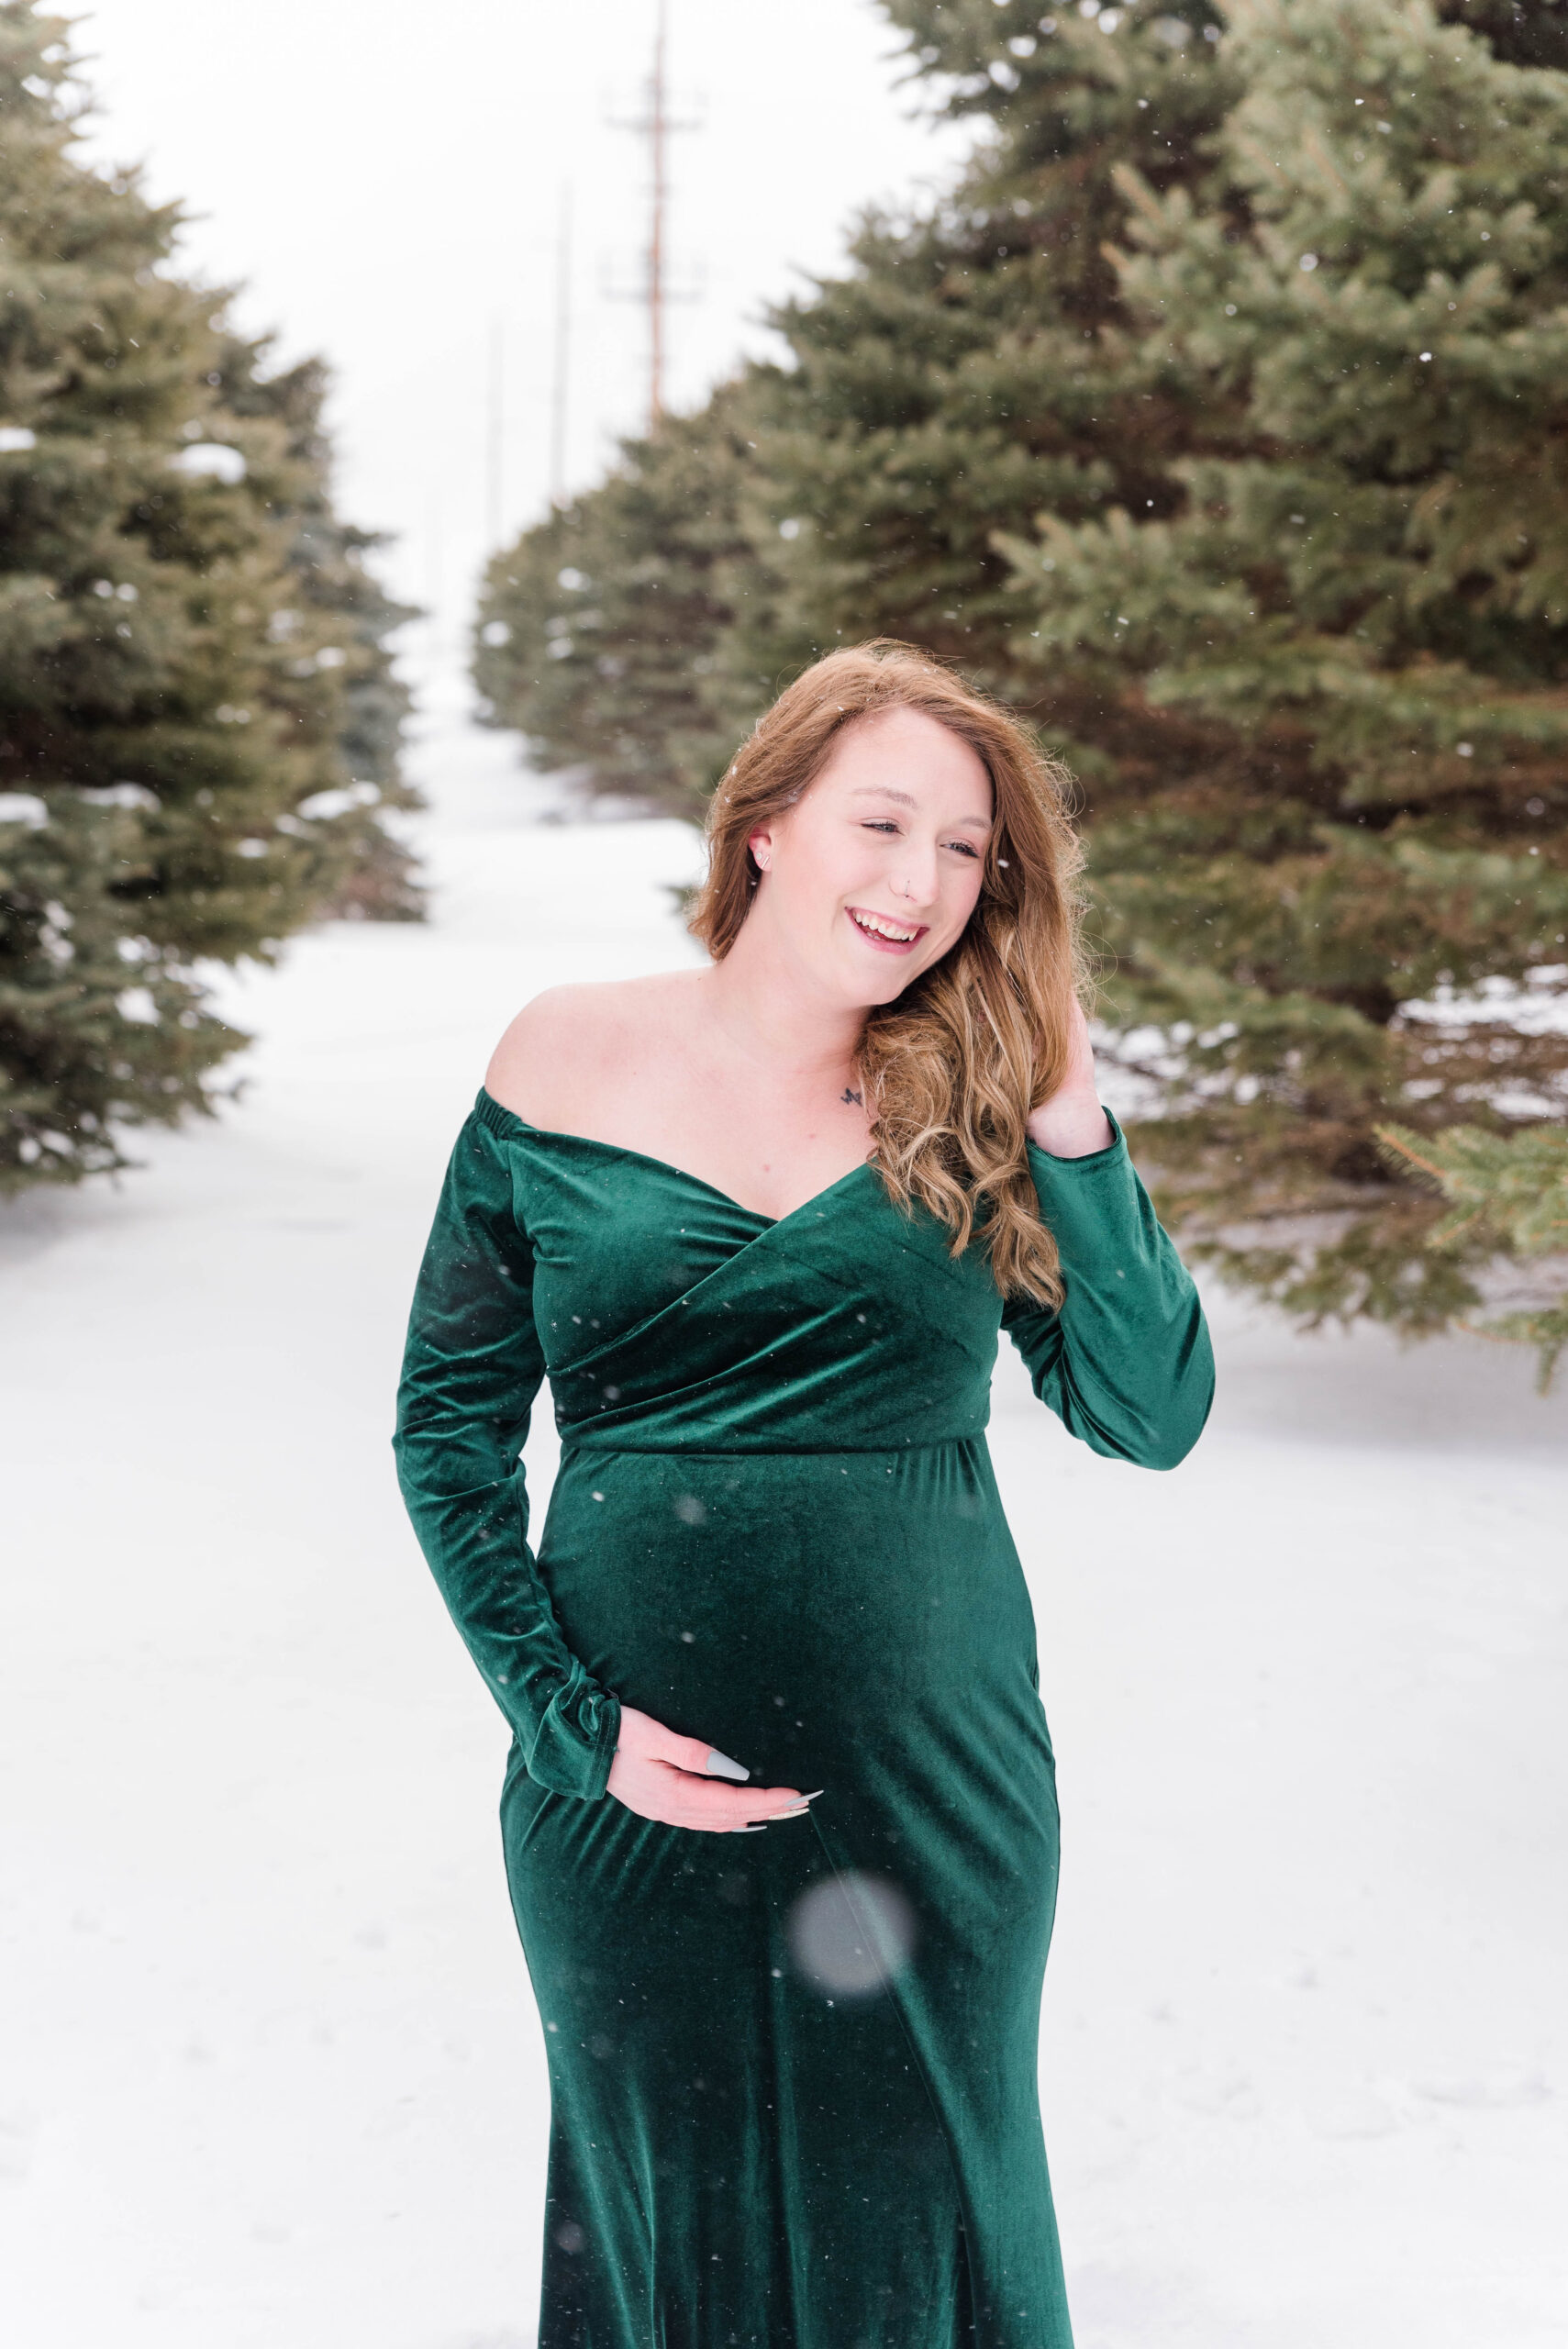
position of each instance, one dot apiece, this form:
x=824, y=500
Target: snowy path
x=269, y=2073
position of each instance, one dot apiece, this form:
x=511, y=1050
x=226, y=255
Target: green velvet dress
x=793, y=2073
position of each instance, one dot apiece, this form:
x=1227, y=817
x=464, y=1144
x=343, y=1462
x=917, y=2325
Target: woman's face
x=871, y=878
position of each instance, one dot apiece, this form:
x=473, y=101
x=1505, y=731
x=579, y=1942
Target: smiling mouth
x=889, y=937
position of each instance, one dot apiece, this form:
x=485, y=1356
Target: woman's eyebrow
x=886, y=791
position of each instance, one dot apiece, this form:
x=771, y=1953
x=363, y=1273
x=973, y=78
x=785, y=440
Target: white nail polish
x=719, y=1766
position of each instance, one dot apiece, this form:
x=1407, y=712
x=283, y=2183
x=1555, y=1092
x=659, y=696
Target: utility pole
x=657, y=137
x=655, y=123
x=558, y=397
x=493, y=484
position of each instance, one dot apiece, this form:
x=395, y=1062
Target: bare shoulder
x=556, y=1044
x=573, y=1048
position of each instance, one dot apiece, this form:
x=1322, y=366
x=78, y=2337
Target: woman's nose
x=916, y=880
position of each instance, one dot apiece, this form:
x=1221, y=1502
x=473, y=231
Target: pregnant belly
x=856, y=1620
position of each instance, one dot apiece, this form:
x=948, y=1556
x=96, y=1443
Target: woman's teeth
x=881, y=929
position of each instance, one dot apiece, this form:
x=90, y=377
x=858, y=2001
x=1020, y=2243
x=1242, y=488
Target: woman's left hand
x=1071, y=1122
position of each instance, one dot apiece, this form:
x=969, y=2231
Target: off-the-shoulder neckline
x=488, y=1103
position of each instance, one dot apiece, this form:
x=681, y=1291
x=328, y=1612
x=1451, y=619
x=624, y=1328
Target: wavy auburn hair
x=953, y=1066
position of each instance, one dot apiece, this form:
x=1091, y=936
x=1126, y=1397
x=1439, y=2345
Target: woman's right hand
x=666, y=1777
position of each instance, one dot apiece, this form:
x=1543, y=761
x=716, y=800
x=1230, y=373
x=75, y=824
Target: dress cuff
x=1091, y=1206
x=1045, y=1162
x=576, y=1741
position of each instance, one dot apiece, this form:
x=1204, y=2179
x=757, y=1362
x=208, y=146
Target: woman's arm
x=1072, y=1124
x=473, y=1368
x=470, y=1372
x=1124, y=1362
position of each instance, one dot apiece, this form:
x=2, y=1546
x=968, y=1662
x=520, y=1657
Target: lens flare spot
x=850, y=1935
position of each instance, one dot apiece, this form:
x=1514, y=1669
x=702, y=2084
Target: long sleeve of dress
x=471, y=1369
x=1126, y=1361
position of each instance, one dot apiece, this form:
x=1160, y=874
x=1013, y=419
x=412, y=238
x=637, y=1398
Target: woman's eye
x=885, y=824
x=964, y=848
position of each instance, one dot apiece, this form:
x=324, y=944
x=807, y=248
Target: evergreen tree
x=326, y=559
x=197, y=715
x=598, y=631
x=1507, y=1194
x=1362, y=597
x=970, y=370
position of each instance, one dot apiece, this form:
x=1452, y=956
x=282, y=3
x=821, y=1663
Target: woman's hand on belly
x=672, y=1779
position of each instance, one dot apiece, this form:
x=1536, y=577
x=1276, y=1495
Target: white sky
x=385, y=180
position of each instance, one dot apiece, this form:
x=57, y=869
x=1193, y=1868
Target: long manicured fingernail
x=749, y=1831
x=719, y=1766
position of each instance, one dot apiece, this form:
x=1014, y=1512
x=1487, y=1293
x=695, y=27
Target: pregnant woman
x=760, y=1224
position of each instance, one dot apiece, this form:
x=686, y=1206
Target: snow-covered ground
x=269, y=2076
